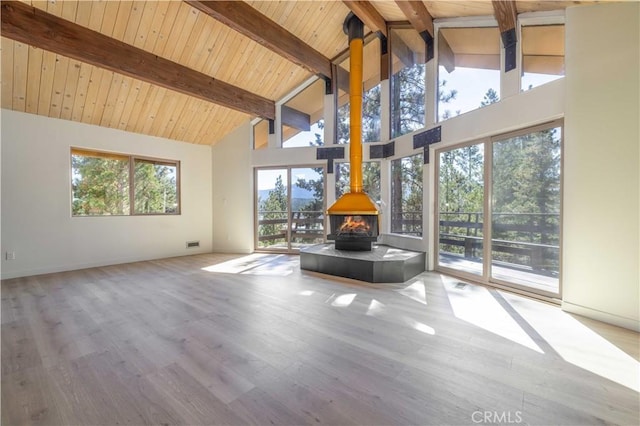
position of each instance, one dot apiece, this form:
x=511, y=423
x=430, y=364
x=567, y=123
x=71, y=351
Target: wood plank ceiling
x=41, y=82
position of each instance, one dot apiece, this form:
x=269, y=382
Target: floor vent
x=461, y=285
x=192, y=244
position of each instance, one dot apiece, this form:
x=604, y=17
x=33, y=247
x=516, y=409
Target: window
x=407, y=81
x=261, y=134
x=289, y=208
x=468, y=69
x=542, y=54
x=108, y=184
x=515, y=242
x=525, y=208
x=303, y=117
x=154, y=187
x=342, y=114
x=371, y=89
x=370, y=179
x=406, y=195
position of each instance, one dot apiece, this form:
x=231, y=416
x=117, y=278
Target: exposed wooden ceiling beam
x=507, y=16
x=37, y=28
x=246, y=20
x=368, y=14
x=418, y=15
x=505, y=13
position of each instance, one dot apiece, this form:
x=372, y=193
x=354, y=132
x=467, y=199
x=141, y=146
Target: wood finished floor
x=221, y=339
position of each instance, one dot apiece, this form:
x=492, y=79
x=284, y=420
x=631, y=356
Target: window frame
x=487, y=278
x=533, y=19
x=256, y=125
x=390, y=112
x=399, y=158
x=131, y=158
x=465, y=23
x=283, y=103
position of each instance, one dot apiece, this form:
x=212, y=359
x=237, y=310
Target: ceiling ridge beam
x=368, y=14
x=249, y=22
x=37, y=28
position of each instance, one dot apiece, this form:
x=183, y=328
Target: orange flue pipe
x=355, y=202
x=355, y=118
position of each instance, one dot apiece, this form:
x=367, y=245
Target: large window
x=303, y=117
x=406, y=195
x=407, y=82
x=542, y=54
x=468, y=69
x=108, y=184
x=514, y=238
x=289, y=208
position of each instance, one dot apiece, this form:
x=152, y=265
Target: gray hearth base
x=383, y=264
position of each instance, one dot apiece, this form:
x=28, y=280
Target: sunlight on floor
x=477, y=306
x=417, y=325
x=256, y=264
x=342, y=300
x=578, y=344
x=375, y=308
x=415, y=291
x=574, y=341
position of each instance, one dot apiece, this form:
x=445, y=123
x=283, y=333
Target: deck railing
x=306, y=226
x=521, y=240
x=528, y=241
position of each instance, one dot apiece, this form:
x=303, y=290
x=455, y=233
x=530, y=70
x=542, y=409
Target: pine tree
x=491, y=97
x=274, y=208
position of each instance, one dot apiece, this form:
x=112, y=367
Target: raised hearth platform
x=383, y=264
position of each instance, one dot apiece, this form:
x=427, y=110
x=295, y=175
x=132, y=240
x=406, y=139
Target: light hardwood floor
x=221, y=339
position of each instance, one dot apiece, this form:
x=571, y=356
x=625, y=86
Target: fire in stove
x=354, y=225
x=353, y=231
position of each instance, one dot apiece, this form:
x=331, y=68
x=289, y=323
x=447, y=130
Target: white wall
x=233, y=212
x=601, y=222
x=36, y=199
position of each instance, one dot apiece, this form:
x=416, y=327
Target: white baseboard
x=109, y=262
x=630, y=323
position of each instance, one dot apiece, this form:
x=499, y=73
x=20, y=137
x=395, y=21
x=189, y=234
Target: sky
x=267, y=177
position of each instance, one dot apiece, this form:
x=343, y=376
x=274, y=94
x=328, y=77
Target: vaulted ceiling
x=187, y=70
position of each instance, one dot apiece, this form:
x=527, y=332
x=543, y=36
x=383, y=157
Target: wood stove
x=354, y=217
x=353, y=221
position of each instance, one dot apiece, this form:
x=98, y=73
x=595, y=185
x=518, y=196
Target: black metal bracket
x=509, y=40
x=384, y=44
x=330, y=154
x=382, y=151
x=425, y=139
x=429, y=49
x=328, y=85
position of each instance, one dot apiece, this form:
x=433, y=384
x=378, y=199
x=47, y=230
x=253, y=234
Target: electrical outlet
x=10, y=255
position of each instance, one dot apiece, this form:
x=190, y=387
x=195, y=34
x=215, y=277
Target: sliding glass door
x=525, y=209
x=461, y=209
x=499, y=210
x=289, y=208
